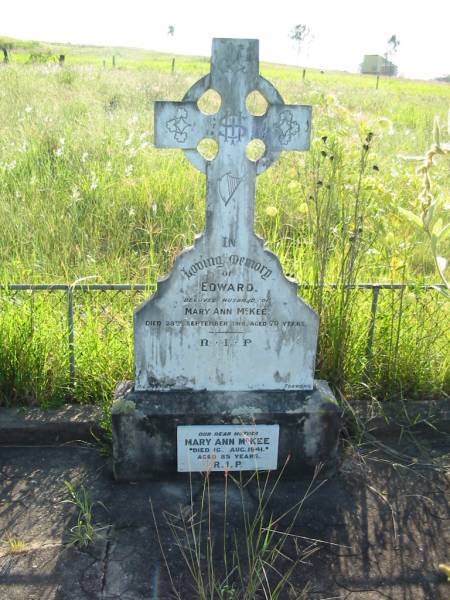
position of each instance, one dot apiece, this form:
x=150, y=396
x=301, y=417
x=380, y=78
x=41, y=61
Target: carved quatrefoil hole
x=209, y=102
x=256, y=104
x=255, y=149
x=208, y=148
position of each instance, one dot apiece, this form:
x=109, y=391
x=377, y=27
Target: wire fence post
x=371, y=332
x=70, y=325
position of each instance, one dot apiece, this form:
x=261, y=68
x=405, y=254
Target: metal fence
x=69, y=292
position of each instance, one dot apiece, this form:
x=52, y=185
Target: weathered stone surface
x=227, y=318
x=145, y=439
x=54, y=426
x=226, y=339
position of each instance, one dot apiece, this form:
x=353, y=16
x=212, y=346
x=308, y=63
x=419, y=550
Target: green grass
x=84, y=193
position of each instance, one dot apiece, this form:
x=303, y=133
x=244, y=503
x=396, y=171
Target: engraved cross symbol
x=231, y=175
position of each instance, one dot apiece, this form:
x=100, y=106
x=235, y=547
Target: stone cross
x=226, y=318
x=231, y=175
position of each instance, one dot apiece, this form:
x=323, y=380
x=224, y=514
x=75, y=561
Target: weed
x=84, y=532
x=247, y=563
x=14, y=545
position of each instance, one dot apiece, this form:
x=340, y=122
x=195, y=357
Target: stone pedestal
x=145, y=426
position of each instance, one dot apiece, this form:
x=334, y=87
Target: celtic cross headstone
x=225, y=348
x=226, y=318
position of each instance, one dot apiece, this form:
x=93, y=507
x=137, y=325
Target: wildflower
x=131, y=212
x=28, y=109
x=128, y=170
x=75, y=193
x=271, y=211
x=387, y=124
x=60, y=150
x=11, y=166
x=84, y=157
x=395, y=264
x=94, y=181
x=133, y=120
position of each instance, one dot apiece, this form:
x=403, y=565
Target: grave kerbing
x=226, y=339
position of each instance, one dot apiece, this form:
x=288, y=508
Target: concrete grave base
x=144, y=425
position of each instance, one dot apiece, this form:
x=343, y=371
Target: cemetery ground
x=375, y=528
x=87, y=199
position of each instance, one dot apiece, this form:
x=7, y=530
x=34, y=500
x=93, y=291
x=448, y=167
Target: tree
x=300, y=35
x=392, y=44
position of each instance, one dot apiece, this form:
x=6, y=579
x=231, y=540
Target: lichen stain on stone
x=313, y=426
x=220, y=377
x=245, y=411
x=282, y=378
x=166, y=383
x=123, y=407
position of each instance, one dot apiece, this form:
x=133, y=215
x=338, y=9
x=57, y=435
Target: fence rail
x=71, y=289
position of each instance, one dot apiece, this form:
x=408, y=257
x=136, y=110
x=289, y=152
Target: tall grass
x=237, y=551
x=83, y=193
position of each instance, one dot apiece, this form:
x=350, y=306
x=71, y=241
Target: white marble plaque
x=227, y=447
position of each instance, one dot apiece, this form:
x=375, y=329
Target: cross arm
x=179, y=125
x=285, y=127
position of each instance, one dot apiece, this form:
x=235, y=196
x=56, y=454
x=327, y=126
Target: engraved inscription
x=224, y=262
x=288, y=127
x=232, y=129
x=227, y=186
x=226, y=318
x=179, y=125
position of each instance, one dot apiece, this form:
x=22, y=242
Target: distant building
x=374, y=64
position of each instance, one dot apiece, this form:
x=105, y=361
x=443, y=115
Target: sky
x=342, y=31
